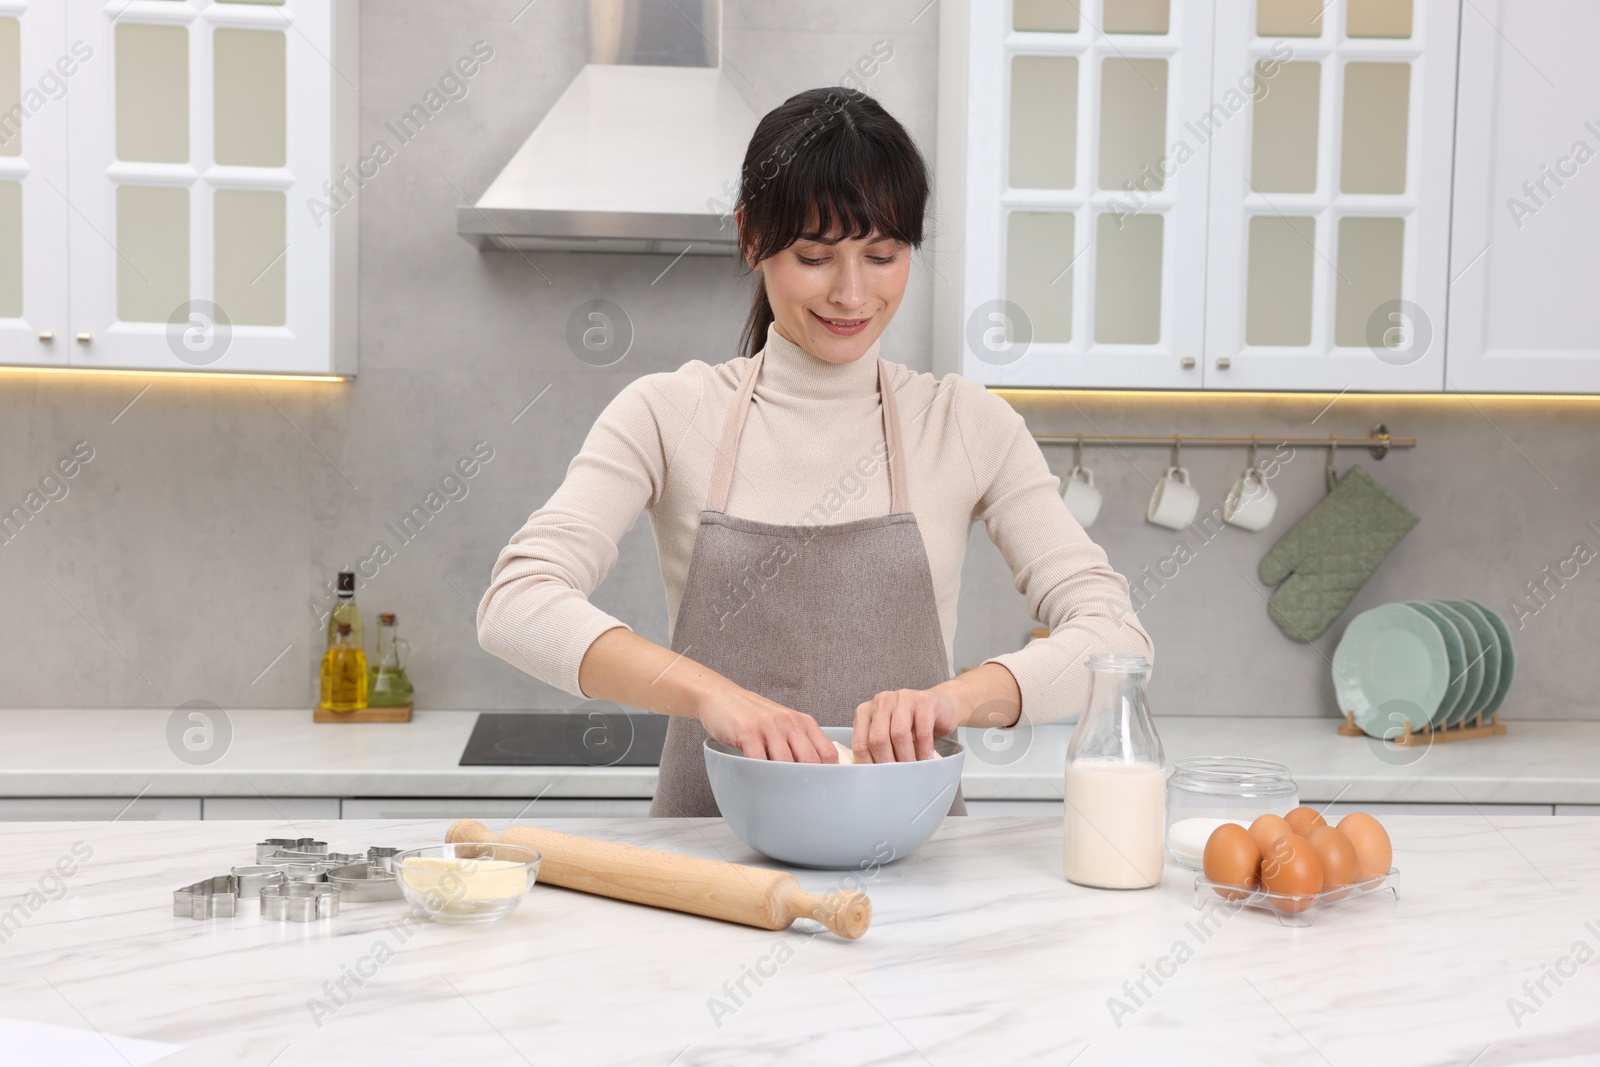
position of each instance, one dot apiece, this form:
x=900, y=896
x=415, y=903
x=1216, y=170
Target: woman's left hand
x=898, y=726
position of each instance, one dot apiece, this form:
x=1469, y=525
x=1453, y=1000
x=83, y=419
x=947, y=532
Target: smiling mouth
x=843, y=325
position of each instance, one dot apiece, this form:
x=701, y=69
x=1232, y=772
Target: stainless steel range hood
x=641, y=153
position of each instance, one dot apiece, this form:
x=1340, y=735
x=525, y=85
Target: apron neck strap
x=733, y=426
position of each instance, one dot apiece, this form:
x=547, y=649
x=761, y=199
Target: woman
x=811, y=502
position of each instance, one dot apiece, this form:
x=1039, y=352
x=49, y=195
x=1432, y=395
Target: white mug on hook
x=1251, y=503
x=1081, y=496
x=1175, y=502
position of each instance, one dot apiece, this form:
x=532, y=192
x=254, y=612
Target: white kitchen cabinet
x=1288, y=227
x=207, y=218
x=1078, y=221
x=271, y=809
x=1523, y=316
x=482, y=808
x=37, y=70
x=987, y=808
x=1333, y=812
x=97, y=809
x=1330, y=195
x=1336, y=811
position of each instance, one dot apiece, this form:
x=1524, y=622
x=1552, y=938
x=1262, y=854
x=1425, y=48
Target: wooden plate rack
x=1427, y=735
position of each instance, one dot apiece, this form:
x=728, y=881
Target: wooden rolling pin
x=753, y=896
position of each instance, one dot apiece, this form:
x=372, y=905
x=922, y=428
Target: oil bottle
x=346, y=611
x=344, y=674
x=388, y=686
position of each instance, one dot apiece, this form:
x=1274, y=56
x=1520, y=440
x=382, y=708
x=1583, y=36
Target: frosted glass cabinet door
x=1523, y=312
x=33, y=182
x=1076, y=194
x=1329, y=243
x=200, y=144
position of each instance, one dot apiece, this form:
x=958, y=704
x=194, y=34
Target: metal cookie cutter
x=254, y=878
x=295, y=855
x=302, y=872
x=382, y=856
x=363, y=882
x=265, y=849
x=300, y=902
x=211, y=898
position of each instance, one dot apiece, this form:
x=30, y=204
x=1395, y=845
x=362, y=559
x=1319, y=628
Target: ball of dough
x=848, y=755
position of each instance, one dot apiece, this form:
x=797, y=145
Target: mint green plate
x=1508, y=659
x=1457, y=692
x=1478, y=683
x=1391, y=666
x=1491, y=657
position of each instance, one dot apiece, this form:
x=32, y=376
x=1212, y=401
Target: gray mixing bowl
x=834, y=816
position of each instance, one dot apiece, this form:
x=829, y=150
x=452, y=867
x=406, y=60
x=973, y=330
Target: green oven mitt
x=1331, y=552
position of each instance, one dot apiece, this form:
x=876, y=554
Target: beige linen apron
x=816, y=618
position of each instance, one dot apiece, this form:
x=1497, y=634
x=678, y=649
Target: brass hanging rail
x=1379, y=443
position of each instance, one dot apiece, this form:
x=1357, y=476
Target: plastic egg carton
x=1294, y=910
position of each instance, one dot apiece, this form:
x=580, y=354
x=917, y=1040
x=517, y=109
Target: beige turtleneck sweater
x=811, y=452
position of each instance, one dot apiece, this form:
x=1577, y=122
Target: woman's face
x=835, y=299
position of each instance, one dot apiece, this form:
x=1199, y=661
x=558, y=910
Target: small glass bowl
x=468, y=882
x=1204, y=792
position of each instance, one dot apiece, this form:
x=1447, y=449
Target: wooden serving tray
x=401, y=714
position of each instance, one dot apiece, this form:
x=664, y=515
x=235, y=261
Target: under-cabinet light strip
x=212, y=376
x=1046, y=392
x=1377, y=441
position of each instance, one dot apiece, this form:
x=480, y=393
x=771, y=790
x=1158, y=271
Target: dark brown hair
x=827, y=164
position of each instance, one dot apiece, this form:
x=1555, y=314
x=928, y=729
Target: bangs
x=848, y=196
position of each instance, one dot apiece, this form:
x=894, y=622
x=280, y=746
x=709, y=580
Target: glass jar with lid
x=1203, y=792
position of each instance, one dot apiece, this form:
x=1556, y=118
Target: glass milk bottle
x=1115, y=787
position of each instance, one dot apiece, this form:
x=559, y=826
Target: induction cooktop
x=584, y=737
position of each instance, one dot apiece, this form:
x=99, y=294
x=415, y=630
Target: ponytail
x=754, y=338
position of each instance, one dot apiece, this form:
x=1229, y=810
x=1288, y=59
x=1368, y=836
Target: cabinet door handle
x=47, y=337
x=1188, y=363
x=85, y=338
x=1223, y=362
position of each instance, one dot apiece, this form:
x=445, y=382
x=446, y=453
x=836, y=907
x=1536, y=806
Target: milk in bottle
x=1115, y=786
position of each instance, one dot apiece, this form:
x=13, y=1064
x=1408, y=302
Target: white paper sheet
x=30, y=1044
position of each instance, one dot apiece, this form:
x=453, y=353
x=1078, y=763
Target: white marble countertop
x=979, y=953
x=126, y=752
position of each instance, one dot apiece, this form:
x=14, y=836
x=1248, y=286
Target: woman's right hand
x=764, y=729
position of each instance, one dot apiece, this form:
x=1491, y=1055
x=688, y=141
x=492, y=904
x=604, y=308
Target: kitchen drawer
x=276, y=809
x=97, y=809
x=981, y=808
x=1397, y=808
x=481, y=808
x=1578, y=809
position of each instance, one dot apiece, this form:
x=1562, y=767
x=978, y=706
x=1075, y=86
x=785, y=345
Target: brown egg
x=1291, y=867
x=1232, y=858
x=1338, y=858
x=1371, y=842
x=1302, y=820
x=1267, y=829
